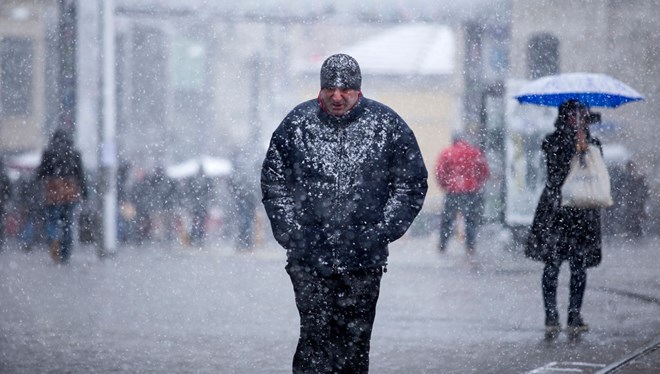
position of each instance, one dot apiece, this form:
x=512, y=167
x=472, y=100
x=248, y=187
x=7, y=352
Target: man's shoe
x=552, y=326
x=576, y=324
x=55, y=251
x=552, y=331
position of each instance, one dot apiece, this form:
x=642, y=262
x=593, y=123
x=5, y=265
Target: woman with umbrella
x=561, y=233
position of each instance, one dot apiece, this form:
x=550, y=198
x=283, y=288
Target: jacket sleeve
x=44, y=166
x=558, y=153
x=277, y=191
x=80, y=176
x=483, y=171
x=408, y=184
x=441, y=170
x=5, y=187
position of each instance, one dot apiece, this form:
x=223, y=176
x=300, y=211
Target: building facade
x=614, y=37
x=26, y=41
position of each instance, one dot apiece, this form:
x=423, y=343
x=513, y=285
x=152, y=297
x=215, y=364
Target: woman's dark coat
x=337, y=190
x=562, y=233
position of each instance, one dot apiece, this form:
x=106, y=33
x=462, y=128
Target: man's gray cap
x=341, y=71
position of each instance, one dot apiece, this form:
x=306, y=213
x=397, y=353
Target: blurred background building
x=215, y=79
x=28, y=73
x=617, y=38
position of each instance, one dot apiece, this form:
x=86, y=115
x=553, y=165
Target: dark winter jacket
x=5, y=195
x=337, y=190
x=562, y=233
x=5, y=187
x=62, y=169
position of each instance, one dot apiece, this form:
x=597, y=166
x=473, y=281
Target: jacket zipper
x=340, y=151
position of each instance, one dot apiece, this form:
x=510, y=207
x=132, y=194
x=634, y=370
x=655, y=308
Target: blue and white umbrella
x=211, y=166
x=594, y=90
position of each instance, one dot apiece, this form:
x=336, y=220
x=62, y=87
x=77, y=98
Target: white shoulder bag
x=588, y=182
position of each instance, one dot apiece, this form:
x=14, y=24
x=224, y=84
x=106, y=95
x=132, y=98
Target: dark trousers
x=469, y=204
x=336, y=318
x=59, y=227
x=578, y=284
x=198, y=229
x=2, y=227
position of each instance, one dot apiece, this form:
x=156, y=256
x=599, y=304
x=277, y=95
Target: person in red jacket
x=461, y=171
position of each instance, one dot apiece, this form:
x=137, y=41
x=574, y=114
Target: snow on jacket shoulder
x=461, y=168
x=337, y=190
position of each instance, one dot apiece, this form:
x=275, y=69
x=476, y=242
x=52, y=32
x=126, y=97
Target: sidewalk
x=644, y=360
x=492, y=306
x=632, y=269
x=169, y=308
x=458, y=307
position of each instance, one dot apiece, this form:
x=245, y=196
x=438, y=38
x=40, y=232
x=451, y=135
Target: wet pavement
x=167, y=308
x=644, y=360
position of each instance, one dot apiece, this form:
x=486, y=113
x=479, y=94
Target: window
x=542, y=56
x=16, y=69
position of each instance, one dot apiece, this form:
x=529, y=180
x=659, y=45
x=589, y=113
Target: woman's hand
x=582, y=144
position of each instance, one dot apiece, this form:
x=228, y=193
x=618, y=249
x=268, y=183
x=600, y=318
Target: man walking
x=461, y=171
x=62, y=170
x=342, y=178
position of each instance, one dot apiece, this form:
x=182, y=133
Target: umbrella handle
x=581, y=158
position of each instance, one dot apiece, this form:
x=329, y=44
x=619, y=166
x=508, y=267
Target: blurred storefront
x=27, y=30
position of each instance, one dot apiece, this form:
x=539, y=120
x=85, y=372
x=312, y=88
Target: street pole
x=67, y=65
x=108, y=143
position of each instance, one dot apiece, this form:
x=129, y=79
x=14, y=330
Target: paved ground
x=164, y=308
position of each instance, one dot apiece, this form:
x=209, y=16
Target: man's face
x=338, y=101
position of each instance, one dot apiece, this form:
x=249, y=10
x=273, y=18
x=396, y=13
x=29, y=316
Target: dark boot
x=549, y=286
x=575, y=324
x=552, y=325
x=55, y=251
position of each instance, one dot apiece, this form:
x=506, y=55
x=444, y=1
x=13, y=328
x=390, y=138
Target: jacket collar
x=346, y=119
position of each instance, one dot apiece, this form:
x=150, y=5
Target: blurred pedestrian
x=614, y=217
x=5, y=195
x=140, y=199
x=126, y=212
x=244, y=194
x=635, y=192
x=162, y=194
x=62, y=171
x=565, y=233
x=30, y=204
x=461, y=171
x=200, y=189
x=342, y=178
